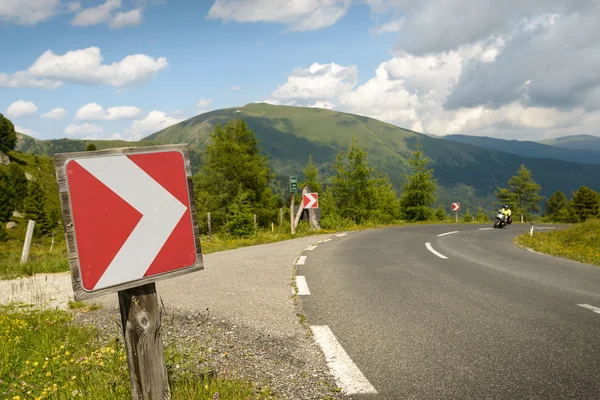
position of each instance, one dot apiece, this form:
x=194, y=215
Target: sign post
x=293, y=184
x=310, y=202
x=456, y=209
x=130, y=220
x=293, y=189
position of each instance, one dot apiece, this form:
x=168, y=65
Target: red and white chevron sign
x=131, y=216
x=455, y=206
x=310, y=200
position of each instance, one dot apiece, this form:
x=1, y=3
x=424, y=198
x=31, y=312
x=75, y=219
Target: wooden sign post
x=134, y=205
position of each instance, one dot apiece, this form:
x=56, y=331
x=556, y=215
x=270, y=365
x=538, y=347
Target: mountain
x=580, y=142
x=530, y=149
x=28, y=144
x=287, y=134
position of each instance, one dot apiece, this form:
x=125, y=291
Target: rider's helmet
x=506, y=206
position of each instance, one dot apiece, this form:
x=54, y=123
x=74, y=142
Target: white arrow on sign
x=311, y=200
x=160, y=210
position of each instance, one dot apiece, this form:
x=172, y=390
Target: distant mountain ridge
x=530, y=149
x=289, y=134
x=580, y=142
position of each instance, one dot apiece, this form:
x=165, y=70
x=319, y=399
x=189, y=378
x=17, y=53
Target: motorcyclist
x=506, y=212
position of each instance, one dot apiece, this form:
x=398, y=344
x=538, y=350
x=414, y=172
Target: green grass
x=580, y=242
x=41, y=259
x=45, y=355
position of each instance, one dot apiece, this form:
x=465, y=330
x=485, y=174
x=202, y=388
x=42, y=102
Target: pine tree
x=232, y=163
x=311, y=176
x=440, y=213
x=556, y=204
x=35, y=208
x=585, y=204
x=481, y=216
x=8, y=136
x=523, y=192
x=241, y=222
x=419, y=189
x=468, y=217
x=6, y=197
x=18, y=183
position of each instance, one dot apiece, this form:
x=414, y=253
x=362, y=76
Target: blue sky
x=399, y=61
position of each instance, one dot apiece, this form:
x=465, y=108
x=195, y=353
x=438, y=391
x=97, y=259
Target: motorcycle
x=501, y=221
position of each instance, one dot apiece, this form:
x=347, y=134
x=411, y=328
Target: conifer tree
x=419, y=188
x=18, y=183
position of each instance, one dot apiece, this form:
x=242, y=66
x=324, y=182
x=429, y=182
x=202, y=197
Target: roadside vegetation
x=46, y=355
x=580, y=242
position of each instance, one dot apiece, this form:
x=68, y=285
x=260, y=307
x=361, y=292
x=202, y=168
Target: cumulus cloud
x=57, y=113
x=95, y=112
x=203, y=105
x=322, y=104
x=107, y=13
x=299, y=15
x=319, y=81
x=85, y=67
x=235, y=88
x=20, y=109
x=153, y=122
x=83, y=129
x=28, y=12
x=26, y=131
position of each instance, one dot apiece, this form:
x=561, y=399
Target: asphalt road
x=491, y=321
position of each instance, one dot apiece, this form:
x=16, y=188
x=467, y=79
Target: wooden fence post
x=209, y=228
x=140, y=319
x=27, y=244
x=281, y=216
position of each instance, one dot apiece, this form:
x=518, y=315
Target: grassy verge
x=580, y=242
x=44, y=355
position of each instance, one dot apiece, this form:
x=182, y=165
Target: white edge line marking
x=327, y=240
x=594, y=309
x=485, y=229
x=345, y=372
x=311, y=248
x=301, y=260
x=447, y=233
x=428, y=245
x=341, y=234
x=302, y=286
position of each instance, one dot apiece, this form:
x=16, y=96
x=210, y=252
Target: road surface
x=464, y=315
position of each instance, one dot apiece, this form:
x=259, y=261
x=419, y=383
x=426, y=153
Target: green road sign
x=293, y=183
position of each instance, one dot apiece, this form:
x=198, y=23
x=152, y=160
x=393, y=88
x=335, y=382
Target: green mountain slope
x=288, y=135
x=581, y=142
x=27, y=144
x=530, y=149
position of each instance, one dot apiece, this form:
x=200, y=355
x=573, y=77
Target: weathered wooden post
x=98, y=190
x=281, y=216
x=292, y=227
x=141, y=325
x=27, y=244
x=531, y=229
x=209, y=227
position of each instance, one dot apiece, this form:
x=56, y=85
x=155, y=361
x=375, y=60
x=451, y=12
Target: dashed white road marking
x=594, y=309
x=302, y=286
x=311, y=248
x=428, y=245
x=341, y=234
x=485, y=229
x=327, y=240
x=447, y=233
x=301, y=260
x=345, y=372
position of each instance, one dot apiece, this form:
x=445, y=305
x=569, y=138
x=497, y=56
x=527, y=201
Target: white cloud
x=57, y=113
x=95, y=112
x=319, y=81
x=389, y=27
x=299, y=15
x=235, y=88
x=28, y=12
x=125, y=19
x=26, y=131
x=107, y=13
x=85, y=67
x=20, y=109
x=155, y=121
x=203, y=105
x=322, y=104
x=83, y=129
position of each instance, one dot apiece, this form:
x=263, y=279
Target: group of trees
x=17, y=193
x=235, y=183
x=583, y=205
